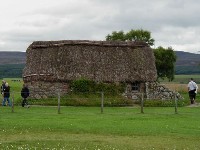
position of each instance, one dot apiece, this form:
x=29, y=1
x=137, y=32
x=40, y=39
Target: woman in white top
x=192, y=86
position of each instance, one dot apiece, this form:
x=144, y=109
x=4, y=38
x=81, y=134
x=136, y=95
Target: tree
x=132, y=35
x=116, y=36
x=140, y=35
x=165, y=62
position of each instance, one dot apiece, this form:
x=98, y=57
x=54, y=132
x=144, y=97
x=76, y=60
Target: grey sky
x=172, y=23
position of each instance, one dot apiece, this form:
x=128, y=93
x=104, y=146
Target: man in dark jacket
x=6, y=95
x=25, y=94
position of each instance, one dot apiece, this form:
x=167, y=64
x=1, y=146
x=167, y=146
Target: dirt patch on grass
x=194, y=105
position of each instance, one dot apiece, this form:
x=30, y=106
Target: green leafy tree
x=132, y=35
x=116, y=36
x=165, y=62
x=140, y=35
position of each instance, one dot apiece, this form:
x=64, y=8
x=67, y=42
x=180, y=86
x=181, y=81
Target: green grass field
x=184, y=79
x=77, y=128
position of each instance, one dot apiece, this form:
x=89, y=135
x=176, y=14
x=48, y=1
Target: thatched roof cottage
x=51, y=63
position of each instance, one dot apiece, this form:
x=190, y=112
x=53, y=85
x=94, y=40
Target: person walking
x=25, y=95
x=192, y=87
x=6, y=95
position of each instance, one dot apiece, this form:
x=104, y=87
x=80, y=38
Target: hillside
x=12, y=58
x=187, y=59
x=187, y=63
x=183, y=58
x=12, y=63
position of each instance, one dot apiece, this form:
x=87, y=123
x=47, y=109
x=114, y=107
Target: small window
x=135, y=86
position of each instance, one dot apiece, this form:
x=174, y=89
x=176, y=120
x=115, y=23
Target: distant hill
x=187, y=59
x=187, y=63
x=183, y=58
x=12, y=63
x=12, y=58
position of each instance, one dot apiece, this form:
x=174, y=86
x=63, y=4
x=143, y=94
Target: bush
x=82, y=85
x=88, y=86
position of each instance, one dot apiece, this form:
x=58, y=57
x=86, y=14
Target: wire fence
x=98, y=99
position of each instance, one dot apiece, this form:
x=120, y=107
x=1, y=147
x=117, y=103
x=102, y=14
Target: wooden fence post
x=59, y=102
x=176, y=111
x=142, y=103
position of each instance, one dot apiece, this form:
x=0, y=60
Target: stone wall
x=155, y=90
x=45, y=89
x=152, y=91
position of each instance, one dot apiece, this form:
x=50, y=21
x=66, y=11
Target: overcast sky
x=172, y=23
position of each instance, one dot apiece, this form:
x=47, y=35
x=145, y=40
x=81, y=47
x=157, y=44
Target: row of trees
x=165, y=57
x=11, y=70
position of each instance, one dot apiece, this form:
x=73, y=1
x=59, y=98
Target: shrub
x=88, y=86
x=82, y=85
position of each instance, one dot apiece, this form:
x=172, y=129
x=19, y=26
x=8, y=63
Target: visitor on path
x=6, y=95
x=192, y=87
x=25, y=95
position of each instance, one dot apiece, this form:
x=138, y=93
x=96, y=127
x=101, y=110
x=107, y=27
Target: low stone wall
x=152, y=91
x=155, y=90
x=45, y=89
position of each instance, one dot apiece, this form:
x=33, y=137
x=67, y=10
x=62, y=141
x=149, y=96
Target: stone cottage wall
x=44, y=90
x=44, y=86
x=51, y=65
x=152, y=91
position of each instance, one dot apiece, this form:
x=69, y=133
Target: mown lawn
x=118, y=128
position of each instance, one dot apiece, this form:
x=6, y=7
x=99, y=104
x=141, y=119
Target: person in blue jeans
x=6, y=95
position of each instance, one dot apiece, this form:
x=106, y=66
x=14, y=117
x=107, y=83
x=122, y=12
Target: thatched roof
x=96, y=60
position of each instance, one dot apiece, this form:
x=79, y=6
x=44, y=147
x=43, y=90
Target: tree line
x=11, y=70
